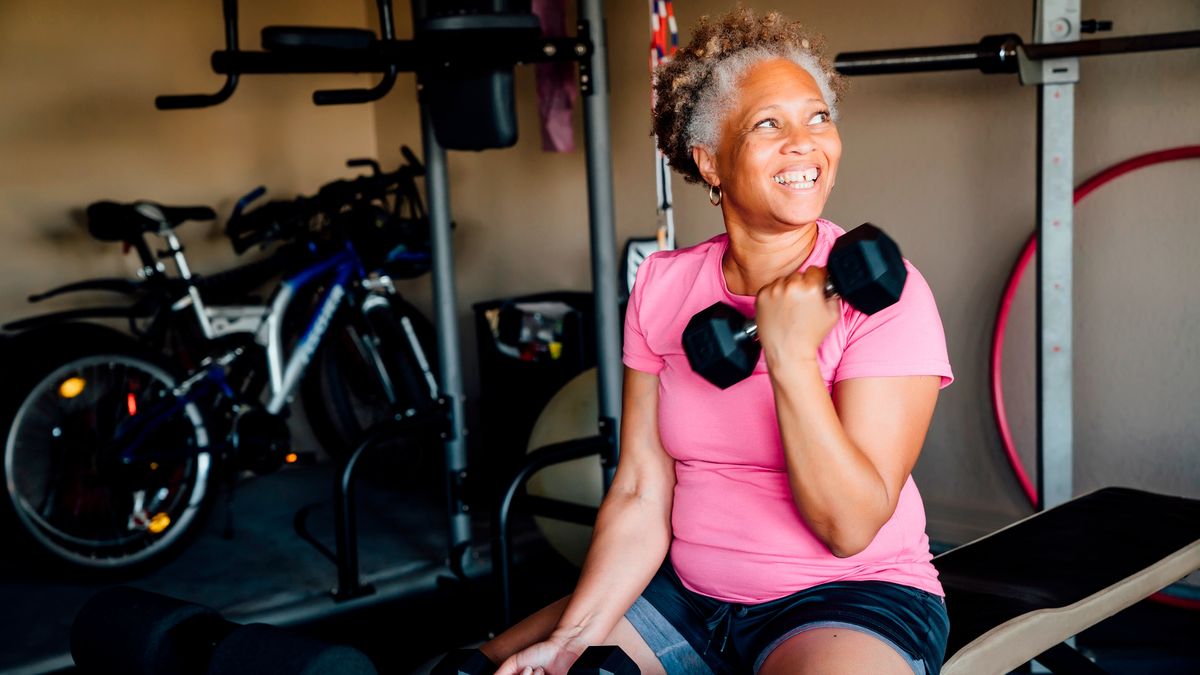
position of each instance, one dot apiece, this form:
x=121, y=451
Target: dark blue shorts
x=695, y=634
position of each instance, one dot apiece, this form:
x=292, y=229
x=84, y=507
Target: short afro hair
x=695, y=89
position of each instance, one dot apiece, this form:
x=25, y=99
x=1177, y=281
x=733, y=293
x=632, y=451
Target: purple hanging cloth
x=556, y=86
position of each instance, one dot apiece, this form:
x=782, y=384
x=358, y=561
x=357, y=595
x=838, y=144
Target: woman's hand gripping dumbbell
x=865, y=268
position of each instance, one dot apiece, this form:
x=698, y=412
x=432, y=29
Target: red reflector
x=131, y=403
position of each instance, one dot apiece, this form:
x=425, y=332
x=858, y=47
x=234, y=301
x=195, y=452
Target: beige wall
x=946, y=162
x=78, y=124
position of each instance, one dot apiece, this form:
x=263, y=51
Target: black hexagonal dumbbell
x=600, y=660
x=865, y=268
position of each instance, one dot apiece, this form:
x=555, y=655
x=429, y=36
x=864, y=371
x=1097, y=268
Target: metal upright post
x=445, y=305
x=593, y=79
x=1055, y=21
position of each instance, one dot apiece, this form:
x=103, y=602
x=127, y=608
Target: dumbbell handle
x=750, y=330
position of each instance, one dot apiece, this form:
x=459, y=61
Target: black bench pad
x=1068, y=559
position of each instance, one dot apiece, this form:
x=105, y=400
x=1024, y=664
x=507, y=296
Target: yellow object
x=159, y=522
x=555, y=350
x=71, y=387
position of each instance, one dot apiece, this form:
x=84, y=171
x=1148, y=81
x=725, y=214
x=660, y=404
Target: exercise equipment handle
x=751, y=329
x=177, y=102
x=347, y=96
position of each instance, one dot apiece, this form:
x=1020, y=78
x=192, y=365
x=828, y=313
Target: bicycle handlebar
x=287, y=219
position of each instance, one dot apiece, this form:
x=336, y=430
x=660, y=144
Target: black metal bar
x=405, y=55
x=349, y=583
x=345, y=515
x=921, y=59
x=557, y=509
x=1155, y=42
x=176, y=102
x=536, y=461
x=299, y=60
x=992, y=54
x=300, y=526
x=998, y=53
x=385, y=84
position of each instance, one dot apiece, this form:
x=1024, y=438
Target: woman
x=794, y=531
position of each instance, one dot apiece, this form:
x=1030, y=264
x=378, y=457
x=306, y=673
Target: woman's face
x=779, y=149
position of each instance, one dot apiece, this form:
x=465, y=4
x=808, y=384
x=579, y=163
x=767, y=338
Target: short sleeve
x=904, y=339
x=637, y=353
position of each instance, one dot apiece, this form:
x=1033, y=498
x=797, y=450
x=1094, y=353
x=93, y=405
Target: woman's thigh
x=538, y=626
x=868, y=625
x=834, y=651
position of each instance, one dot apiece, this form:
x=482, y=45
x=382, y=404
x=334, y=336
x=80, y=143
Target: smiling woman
x=773, y=525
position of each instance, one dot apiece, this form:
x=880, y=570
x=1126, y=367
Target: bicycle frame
x=265, y=323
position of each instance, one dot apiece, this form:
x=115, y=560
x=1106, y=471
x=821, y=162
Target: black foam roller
x=135, y=632
x=265, y=650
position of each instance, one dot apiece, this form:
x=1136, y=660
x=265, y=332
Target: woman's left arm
x=849, y=455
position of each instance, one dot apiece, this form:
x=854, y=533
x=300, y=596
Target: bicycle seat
x=110, y=221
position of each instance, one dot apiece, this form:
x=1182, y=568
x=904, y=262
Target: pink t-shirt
x=736, y=532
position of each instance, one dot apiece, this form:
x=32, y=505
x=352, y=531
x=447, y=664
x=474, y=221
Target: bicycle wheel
x=92, y=483
x=343, y=393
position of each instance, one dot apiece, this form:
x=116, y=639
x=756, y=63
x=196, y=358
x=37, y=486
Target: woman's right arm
x=631, y=537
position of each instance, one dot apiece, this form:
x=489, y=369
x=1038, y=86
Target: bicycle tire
x=71, y=498
x=342, y=393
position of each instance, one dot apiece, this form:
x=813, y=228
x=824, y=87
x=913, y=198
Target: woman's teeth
x=799, y=179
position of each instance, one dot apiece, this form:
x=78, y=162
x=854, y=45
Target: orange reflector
x=131, y=403
x=291, y=458
x=159, y=522
x=154, y=466
x=71, y=387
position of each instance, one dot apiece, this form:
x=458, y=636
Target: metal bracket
x=1056, y=21
x=1047, y=71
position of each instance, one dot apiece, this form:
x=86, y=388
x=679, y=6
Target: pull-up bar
x=1003, y=53
x=441, y=43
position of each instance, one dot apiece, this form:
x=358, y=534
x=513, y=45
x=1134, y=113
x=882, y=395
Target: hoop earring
x=714, y=195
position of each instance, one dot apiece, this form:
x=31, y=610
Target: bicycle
x=112, y=441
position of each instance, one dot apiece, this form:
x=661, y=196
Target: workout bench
x=1018, y=593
